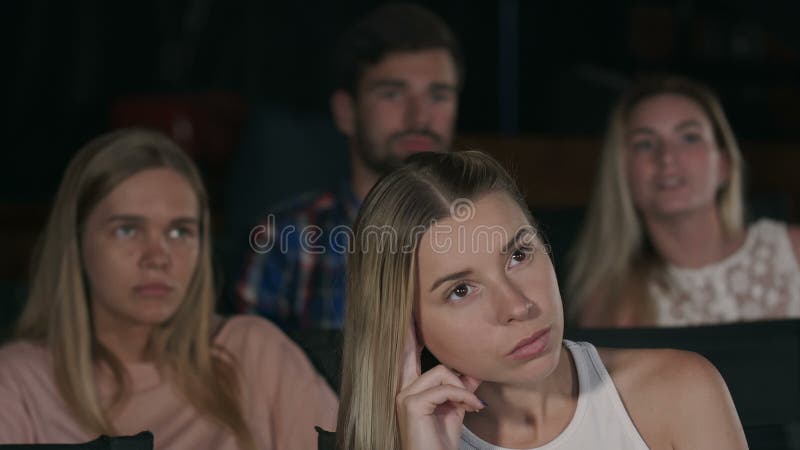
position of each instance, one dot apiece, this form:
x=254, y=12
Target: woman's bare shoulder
x=674, y=397
x=637, y=365
x=645, y=376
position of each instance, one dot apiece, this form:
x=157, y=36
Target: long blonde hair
x=381, y=284
x=613, y=257
x=57, y=313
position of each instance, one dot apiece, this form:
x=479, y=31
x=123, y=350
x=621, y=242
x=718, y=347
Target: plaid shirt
x=295, y=270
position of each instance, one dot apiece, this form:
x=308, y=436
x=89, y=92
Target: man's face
x=404, y=104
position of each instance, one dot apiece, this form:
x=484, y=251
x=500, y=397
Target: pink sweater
x=283, y=397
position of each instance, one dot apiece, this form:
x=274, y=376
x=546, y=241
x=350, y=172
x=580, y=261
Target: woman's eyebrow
x=639, y=131
x=687, y=124
x=452, y=276
x=514, y=241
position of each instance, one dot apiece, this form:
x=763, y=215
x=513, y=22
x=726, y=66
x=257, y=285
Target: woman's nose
x=156, y=253
x=514, y=305
x=666, y=153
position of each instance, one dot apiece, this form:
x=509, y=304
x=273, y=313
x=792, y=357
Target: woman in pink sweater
x=119, y=335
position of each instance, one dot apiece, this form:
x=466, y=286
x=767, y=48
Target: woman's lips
x=531, y=346
x=669, y=182
x=153, y=289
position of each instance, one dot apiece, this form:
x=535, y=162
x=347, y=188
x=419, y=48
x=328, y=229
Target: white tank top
x=760, y=280
x=600, y=421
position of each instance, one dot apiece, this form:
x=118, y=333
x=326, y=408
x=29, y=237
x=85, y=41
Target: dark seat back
x=141, y=441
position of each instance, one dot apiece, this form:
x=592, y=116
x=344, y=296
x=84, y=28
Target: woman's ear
x=417, y=331
x=427, y=360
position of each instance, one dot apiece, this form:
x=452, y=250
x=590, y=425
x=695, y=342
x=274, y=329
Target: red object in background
x=206, y=125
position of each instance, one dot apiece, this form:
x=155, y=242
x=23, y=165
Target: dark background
x=558, y=68
x=234, y=69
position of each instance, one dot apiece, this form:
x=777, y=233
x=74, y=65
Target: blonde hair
x=613, y=257
x=57, y=312
x=381, y=283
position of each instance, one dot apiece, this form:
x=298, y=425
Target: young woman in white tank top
x=463, y=272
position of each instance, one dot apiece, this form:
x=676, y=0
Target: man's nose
x=418, y=112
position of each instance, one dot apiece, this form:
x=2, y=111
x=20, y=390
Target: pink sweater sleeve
x=286, y=397
x=16, y=423
x=283, y=397
x=302, y=400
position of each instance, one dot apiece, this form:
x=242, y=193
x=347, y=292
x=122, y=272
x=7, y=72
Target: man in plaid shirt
x=398, y=73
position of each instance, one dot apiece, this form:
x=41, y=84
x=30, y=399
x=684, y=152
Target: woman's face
x=673, y=162
x=140, y=247
x=487, y=300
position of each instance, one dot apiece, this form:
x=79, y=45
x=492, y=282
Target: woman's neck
x=527, y=415
x=128, y=344
x=692, y=240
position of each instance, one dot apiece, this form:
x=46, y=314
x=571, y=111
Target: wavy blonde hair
x=613, y=257
x=381, y=283
x=57, y=313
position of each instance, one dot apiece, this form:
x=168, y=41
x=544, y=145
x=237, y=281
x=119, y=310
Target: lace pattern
x=761, y=280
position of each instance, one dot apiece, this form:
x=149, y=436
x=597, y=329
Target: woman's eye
x=519, y=256
x=691, y=138
x=460, y=291
x=124, y=231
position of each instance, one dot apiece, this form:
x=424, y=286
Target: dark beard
x=385, y=162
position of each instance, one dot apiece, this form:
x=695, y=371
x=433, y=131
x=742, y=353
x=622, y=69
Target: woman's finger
x=426, y=402
x=437, y=376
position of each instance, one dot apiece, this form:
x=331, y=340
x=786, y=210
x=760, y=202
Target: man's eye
x=643, y=145
x=441, y=96
x=180, y=233
x=390, y=94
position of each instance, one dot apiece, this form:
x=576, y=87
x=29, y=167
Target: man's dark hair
x=393, y=27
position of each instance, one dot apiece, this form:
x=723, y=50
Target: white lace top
x=761, y=280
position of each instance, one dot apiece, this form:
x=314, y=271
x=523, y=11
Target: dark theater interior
x=244, y=89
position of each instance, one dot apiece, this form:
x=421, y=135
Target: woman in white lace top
x=664, y=241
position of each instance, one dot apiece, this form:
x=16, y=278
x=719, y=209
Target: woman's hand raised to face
x=431, y=406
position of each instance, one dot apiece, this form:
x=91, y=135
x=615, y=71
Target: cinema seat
x=141, y=441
